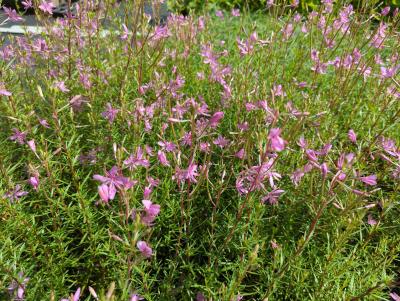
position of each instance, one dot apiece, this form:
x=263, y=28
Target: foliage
x=213, y=158
x=199, y=5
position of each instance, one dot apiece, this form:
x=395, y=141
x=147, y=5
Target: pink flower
x=107, y=192
x=3, y=91
x=221, y=141
x=162, y=158
x=44, y=123
x=324, y=169
x=276, y=141
x=352, y=136
x=125, y=33
x=32, y=145
x=235, y=12
x=19, y=285
x=15, y=194
x=395, y=297
x=61, y=86
x=77, y=102
x=77, y=294
x=135, y=297
x=34, y=182
x=272, y=197
x=150, y=212
x=219, y=14
x=369, y=180
x=110, y=114
x=137, y=160
x=371, y=220
x=277, y=90
x=205, y=147
x=27, y=4
x=47, y=7
x=144, y=249
x=385, y=11
x=18, y=136
x=216, y=118
x=188, y=174
x=274, y=244
x=240, y=154
x=115, y=179
x=12, y=14
x=150, y=208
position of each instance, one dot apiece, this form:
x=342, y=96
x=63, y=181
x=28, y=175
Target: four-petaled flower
x=47, y=6
x=110, y=113
x=15, y=194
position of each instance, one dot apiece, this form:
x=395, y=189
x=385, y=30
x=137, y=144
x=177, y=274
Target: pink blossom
x=107, y=192
x=188, y=174
x=115, y=179
x=216, y=118
x=324, y=169
x=385, y=11
x=167, y=146
x=205, y=147
x=162, y=158
x=34, y=182
x=277, y=90
x=240, y=154
x=27, y=4
x=44, y=123
x=371, y=220
x=125, y=33
x=235, y=12
x=18, y=136
x=77, y=294
x=243, y=126
x=77, y=102
x=144, y=249
x=4, y=92
x=12, y=14
x=19, y=285
x=219, y=14
x=47, y=7
x=395, y=296
x=276, y=142
x=254, y=178
x=150, y=212
x=32, y=146
x=135, y=297
x=369, y=180
x=137, y=160
x=61, y=86
x=274, y=244
x=295, y=3
x=110, y=113
x=15, y=194
x=272, y=196
x=221, y=141
x=352, y=136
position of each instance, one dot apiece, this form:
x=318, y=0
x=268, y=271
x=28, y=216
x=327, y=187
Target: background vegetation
x=223, y=156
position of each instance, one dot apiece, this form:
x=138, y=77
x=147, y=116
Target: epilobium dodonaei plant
x=228, y=156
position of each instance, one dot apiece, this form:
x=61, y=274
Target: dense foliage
x=219, y=157
x=302, y=5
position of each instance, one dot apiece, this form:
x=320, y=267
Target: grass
x=291, y=206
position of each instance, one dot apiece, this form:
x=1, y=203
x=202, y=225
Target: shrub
x=216, y=157
x=199, y=5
